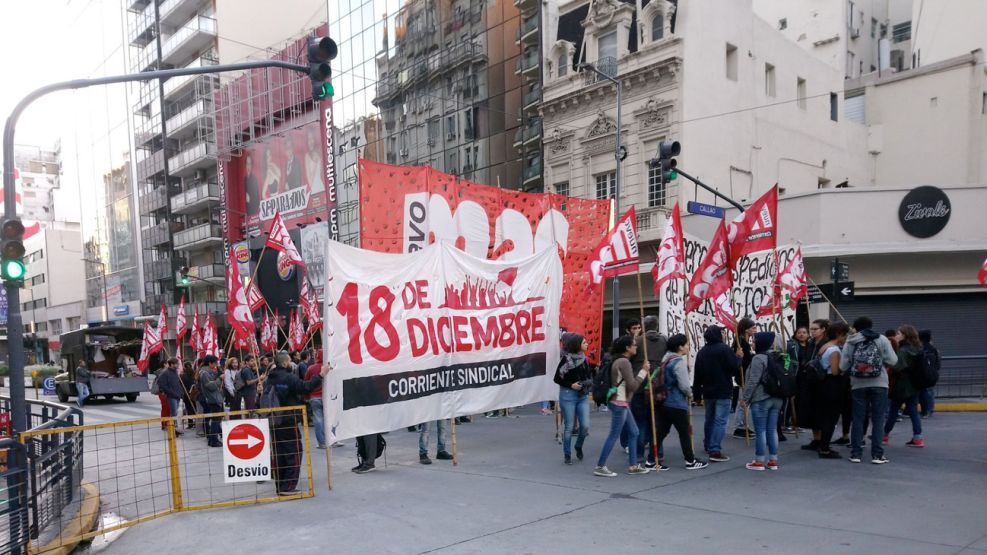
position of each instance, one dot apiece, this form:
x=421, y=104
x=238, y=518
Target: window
x=468, y=130
x=562, y=188
x=55, y=327
x=451, y=127
x=849, y=64
x=849, y=14
x=769, y=80
x=40, y=326
x=657, y=27
x=657, y=191
x=74, y=323
x=873, y=28
x=983, y=104
x=901, y=32
x=731, y=62
x=606, y=185
x=800, y=92
x=38, y=303
x=36, y=280
x=433, y=130
x=884, y=31
x=563, y=64
x=783, y=24
x=833, y=113
x=607, y=45
x=34, y=256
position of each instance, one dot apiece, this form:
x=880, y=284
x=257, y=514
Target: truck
x=110, y=352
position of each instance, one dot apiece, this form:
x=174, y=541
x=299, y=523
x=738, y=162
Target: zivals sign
x=924, y=211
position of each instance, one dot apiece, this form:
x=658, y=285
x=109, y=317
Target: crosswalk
x=101, y=411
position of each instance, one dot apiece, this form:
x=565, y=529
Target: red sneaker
x=754, y=465
x=772, y=465
x=919, y=443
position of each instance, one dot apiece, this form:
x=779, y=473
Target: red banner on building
x=404, y=208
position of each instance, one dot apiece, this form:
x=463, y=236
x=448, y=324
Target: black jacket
x=717, y=365
x=656, y=350
x=290, y=389
x=580, y=373
x=170, y=384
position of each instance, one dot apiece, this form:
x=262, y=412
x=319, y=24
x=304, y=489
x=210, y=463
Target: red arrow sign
x=245, y=441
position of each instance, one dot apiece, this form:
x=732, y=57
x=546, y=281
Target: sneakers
x=829, y=455
x=290, y=492
x=443, y=456
x=755, y=465
x=772, y=465
x=886, y=440
x=718, y=457
x=568, y=459
x=855, y=459
x=880, y=460
x=604, y=472
x=579, y=453
x=320, y=446
x=842, y=441
x=650, y=466
x=741, y=433
x=637, y=470
x=696, y=465
x=919, y=443
x=491, y=414
x=364, y=468
x=423, y=458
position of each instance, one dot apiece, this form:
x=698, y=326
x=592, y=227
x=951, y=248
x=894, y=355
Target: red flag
x=281, y=241
x=670, y=262
x=210, y=342
x=617, y=253
x=180, y=327
x=296, y=331
x=982, y=274
x=237, y=310
x=312, y=314
x=151, y=343
x=793, y=279
x=196, y=339
x=724, y=311
x=254, y=297
x=755, y=229
x=303, y=294
x=163, y=322
x=713, y=276
x=265, y=332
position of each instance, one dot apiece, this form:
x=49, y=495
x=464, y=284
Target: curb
x=961, y=407
x=83, y=522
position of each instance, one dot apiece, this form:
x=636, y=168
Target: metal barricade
x=13, y=497
x=962, y=376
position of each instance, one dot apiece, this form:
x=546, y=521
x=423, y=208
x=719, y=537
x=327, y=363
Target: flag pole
x=838, y=313
x=651, y=391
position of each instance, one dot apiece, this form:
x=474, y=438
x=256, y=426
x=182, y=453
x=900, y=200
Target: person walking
x=864, y=356
x=442, y=432
x=904, y=391
x=189, y=393
x=625, y=383
x=675, y=410
x=799, y=354
x=284, y=382
x=82, y=380
x=170, y=385
x=809, y=385
x=833, y=387
x=655, y=344
x=249, y=378
x=575, y=379
x=211, y=395
x=928, y=395
x=717, y=367
x=746, y=329
x=230, y=393
x=764, y=407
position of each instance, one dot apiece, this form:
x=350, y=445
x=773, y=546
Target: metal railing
x=962, y=376
x=14, y=522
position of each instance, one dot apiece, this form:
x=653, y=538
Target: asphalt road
x=512, y=494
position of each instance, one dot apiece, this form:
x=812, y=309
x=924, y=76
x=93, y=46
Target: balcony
x=177, y=86
x=157, y=235
x=142, y=31
x=607, y=65
x=212, y=273
x=525, y=4
x=147, y=58
x=532, y=99
x=136, y=6
x=191, y=158
x=191, y=38
x=386, y=88
x=158, y=270
x=195, y=198
x=151, y=165
x=532, y=173
x=199, y=236
x=532, y=132
x=449, y=58
x=184, y=123
x=527, y=63
x=174, y=12
x=528, y=32
x=154, y=201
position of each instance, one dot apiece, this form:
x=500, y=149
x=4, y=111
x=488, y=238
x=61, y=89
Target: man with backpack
x=210, y=384
x=283, y=388
x=865, y=356
x=933, y=364
x=655, y=344
x=717, y=366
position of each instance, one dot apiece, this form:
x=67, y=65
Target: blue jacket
x=677, y=383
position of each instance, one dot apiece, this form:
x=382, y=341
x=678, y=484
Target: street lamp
x=616, y=192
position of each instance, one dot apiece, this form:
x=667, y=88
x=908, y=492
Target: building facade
x=52, y=299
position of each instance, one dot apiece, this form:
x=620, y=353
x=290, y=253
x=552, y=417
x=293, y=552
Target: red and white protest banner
x=238, y=313
x=714, y=275
x=670, y=262
x=617, y=253
x=403, y=209
x=181, y=328
x=755, y=229
x=280, y=241
x=982, y=274
x=151, y=343
x=436, y=334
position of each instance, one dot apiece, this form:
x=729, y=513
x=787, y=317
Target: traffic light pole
x=15, y=323
x=716, y=193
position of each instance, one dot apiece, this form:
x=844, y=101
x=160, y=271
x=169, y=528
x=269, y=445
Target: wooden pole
x=838, y=313
x=455, y=446
x=688, y=355
x=651, y=392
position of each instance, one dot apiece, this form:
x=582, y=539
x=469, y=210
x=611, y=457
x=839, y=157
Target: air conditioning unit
x=404, y=152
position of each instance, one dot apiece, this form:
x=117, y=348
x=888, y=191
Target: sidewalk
x=512, y=494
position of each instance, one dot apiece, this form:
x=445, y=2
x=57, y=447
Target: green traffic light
x=673, y=175
x=324, y=91
x=13, y=270
x=184, y=280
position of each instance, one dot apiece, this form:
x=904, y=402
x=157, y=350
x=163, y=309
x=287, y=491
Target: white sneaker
x=604, y=472
x=854, y=459
x=880, y=460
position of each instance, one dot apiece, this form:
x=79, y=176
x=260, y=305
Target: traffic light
x=12, y=267
x=320, y=51
x=667, y=150
x=183, y=278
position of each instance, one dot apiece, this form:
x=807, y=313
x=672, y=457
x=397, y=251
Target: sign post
x=246, y=451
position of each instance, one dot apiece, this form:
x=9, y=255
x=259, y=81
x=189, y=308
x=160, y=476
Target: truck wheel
x=131, y=397
x=62, y=396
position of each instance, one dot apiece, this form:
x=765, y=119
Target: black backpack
x=602, y=381
x=779, y=376
x=361, y=448
x=924, y=371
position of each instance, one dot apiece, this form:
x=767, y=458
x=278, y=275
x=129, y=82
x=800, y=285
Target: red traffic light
x=12, y=229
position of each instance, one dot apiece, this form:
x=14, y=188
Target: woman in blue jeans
x=909, y=351
x=764, y=407
x=575, y=380
x=625, y=383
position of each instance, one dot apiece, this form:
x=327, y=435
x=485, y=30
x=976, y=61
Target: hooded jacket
x=887, y=352
x=656, y=349
x=717, y=365
x=753, y=388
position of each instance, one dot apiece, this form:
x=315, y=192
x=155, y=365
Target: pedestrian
x=675, y=410
x=764, y=407
x=641, y=405
x=162, y=398
x=927, y=397
x=864, y=356
x=170, y=385
x=189, y=394
x=287, y=443
x=799, y=354
x=230, y=372
x=904, y=391
x=809, y=385
x=625, y=383
x=746, y=329
x=833, y=387
x=314, y=400
x=304, y=359
x=442, y=431
x=717, y=368
x=575, y=379
x=82, y=379
x=632, y=327
x=210, y=384
x=249, y=378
